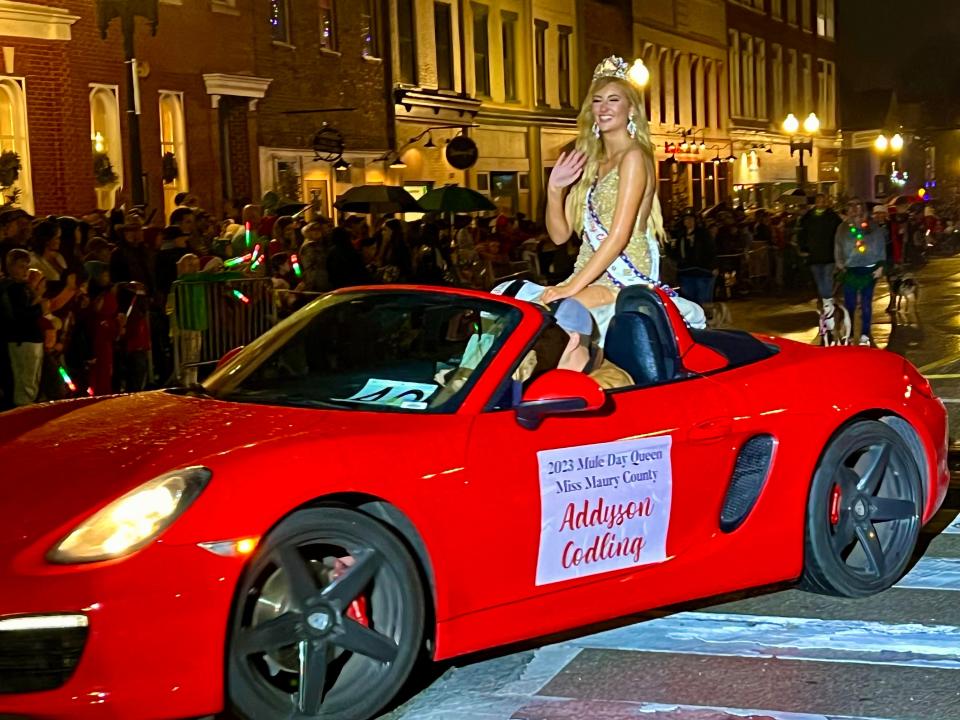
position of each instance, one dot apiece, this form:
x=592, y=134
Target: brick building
x=65, y=92
x=329, y=62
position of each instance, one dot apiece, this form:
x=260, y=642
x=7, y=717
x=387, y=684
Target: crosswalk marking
x=541, y=708
x=953, y=528
x=787, y=638
x=933, y=573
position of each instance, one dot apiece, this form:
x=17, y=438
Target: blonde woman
x=605, y=191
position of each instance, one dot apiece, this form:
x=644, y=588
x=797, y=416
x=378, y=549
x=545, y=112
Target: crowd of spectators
x=729, y=252
x=85, y=303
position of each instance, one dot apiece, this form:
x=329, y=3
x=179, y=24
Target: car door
x=596, y=497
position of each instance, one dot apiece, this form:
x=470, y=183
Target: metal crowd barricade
x=212, y=316
x=758, y=264
x=731, y=274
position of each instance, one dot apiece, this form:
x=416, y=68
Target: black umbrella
x=455, y=199
x=377, y=199
x=290, y=209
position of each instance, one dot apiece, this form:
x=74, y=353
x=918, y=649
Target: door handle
x=712, y=429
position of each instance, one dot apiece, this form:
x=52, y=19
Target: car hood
x=63, y=460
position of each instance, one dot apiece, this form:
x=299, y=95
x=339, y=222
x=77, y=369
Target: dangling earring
x=632, y=127
x=596, y=130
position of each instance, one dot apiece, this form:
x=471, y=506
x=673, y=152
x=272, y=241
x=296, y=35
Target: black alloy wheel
x=863, y=513
x=328, y=620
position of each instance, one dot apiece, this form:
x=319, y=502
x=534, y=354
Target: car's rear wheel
x=328, y=621
x=863, y=512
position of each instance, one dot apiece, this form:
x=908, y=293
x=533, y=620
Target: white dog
x=835, y=325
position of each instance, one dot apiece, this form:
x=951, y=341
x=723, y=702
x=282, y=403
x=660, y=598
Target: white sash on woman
x=623, y=273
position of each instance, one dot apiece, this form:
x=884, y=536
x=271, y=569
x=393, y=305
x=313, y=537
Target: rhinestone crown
x=612, y=66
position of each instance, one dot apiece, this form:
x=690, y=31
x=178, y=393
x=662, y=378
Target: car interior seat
x=640, y=339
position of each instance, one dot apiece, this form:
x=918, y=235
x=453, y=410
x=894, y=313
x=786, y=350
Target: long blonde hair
x=593, y=148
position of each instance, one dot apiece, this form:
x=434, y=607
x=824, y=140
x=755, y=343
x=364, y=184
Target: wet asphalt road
x=784, y=655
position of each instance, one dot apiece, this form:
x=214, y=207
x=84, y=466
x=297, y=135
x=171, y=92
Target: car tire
x=328, y=620
x=863, y=512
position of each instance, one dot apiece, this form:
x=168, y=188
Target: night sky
x=911, y=47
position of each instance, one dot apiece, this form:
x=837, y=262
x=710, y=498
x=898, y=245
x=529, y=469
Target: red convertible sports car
x=368, y=485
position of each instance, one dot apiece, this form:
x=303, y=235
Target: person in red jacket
x=102, y=324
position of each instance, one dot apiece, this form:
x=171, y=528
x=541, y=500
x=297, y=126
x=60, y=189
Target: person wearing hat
x=581, y=352
x=172, y=248
x=695, y=253
x=860, y=252
x=574, y=347
x=131, y=260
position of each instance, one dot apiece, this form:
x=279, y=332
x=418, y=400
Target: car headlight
x=132, y=521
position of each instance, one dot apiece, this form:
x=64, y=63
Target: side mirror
x=559, y=392
x=228, y=356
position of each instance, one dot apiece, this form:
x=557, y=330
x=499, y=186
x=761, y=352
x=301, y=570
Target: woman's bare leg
x=596, y=295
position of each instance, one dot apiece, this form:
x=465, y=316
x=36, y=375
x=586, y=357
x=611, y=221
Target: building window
x=720, y=88
x=695, y=120
x=661, y=76
x=328, y=25
x=792, y=11
x=807, y=85
x=747, y=76
x=13, y=136
x=540, y=59
x=734, y=64
x=563, y=68
x=406, y=42
x=826, y=99
x=280, y=21
x=760, y=49
x=776, y=9
x=709, y=119
x=677, y=100
x=106, y=141
x=777, y=72
x=806, y=17
x=443, y=31
x=173, y=147
x=481, y=49
x=648, y=59
x=825, y=16
x=793, y=96
x=369, y=37
x=509, y=39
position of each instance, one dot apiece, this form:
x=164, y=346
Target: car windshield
x=402, y=351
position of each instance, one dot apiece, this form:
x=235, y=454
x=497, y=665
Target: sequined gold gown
x=639, y=261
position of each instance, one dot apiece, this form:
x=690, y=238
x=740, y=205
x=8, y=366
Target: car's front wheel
x=863, y=512
x=328, y=621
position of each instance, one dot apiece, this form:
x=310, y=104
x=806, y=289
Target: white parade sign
x=603, y=507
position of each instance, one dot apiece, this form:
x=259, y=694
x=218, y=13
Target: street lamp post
x=128, y=11
x=891, y=175
x=801, y=144
x=639, y=73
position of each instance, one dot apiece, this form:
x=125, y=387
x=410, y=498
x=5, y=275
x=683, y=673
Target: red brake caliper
x=357, y=609
x=835, y=505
